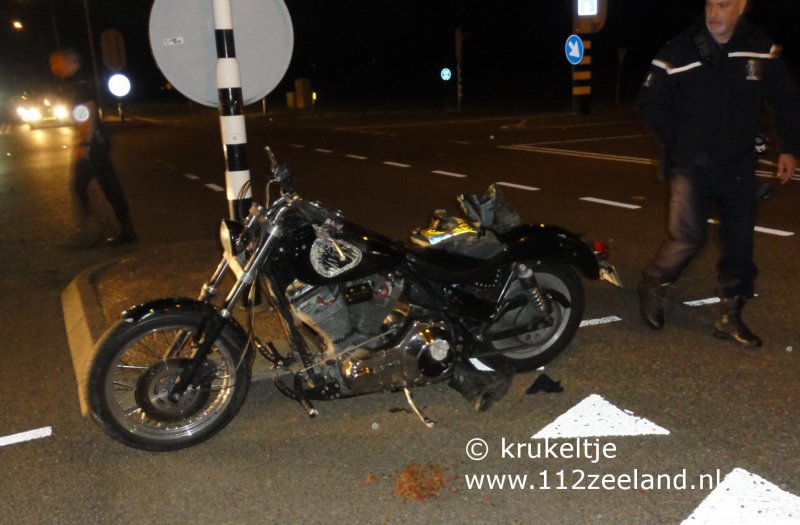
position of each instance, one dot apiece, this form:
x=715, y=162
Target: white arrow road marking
x=517, y=186
x=26, y=436
x=450, y=174
x=596, y=417
x=611, y=203
x=746, y=499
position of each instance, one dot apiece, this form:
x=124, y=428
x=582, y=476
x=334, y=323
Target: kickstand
x=422, y=417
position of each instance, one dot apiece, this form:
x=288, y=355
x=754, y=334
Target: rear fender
x=541, y=244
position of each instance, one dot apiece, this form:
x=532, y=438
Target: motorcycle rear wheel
x=132, y=374
x=533, y=349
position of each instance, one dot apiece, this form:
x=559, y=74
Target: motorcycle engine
x=373, y=345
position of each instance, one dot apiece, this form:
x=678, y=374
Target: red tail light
x=600, y=249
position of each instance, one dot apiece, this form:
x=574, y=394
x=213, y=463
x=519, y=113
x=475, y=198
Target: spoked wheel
x=136, y=367
x=532, y=349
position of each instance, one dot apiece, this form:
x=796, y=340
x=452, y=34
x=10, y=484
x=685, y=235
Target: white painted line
x=190, y=176
x=702, y=302
x=298, y=146
x=596, y=417
x=746, y=498
x=517, y=186
x=582, y=154
x=320, y=150
x=397, y=164
x=611, y=203
x=463, y=142
x=39, y=433
x=591, y=139
x=480, y=365
x=761, y=229
x=450, y=174
x=356, y=157
x=215, y=187
x=601, y=320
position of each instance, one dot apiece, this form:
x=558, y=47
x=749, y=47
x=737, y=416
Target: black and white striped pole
x=231, y=113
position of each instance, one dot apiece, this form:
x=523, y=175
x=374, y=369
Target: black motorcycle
x=470, y=301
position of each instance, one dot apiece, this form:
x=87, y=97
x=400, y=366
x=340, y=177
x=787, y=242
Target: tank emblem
x=330, y=260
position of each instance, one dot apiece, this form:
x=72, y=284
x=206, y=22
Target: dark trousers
x=98, y=166
x=694, y=193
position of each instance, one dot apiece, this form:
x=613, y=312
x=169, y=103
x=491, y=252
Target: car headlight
x=33, y=115
x=229, y=231
x=61, y=112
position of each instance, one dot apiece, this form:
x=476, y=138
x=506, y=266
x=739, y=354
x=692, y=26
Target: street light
x=18, y=25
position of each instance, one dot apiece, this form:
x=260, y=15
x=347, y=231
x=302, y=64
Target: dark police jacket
x=703, y=100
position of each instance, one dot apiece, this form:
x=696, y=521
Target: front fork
x=214, y=322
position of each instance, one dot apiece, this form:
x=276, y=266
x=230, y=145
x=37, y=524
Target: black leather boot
x=480, y=389
x=730, y=325
x=126, y=234
x=652, y=300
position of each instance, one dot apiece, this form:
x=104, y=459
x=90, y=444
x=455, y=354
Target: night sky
x=373, y=51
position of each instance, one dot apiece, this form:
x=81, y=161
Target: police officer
x=91, y=154
x=702, y=99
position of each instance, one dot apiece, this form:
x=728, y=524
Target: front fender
x=141, y=312
x=543, y=244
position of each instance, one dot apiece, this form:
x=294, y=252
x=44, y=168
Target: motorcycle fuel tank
x=353, y=253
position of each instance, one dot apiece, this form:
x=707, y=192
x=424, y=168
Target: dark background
x=366, y=52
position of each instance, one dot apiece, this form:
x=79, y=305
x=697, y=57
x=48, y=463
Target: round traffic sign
x=573, y=48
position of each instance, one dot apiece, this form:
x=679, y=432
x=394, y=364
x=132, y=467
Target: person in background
x=702, y=99
x=91, y=153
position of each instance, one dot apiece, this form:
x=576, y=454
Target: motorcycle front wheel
x=135, y=367
x=533, y=349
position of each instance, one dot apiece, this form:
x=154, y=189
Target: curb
x=84, y=324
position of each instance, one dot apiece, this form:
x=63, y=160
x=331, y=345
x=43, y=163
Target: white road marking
x=298, y=146
x=746, y=498
x=761, y=229
x=601, y=320
x=215, y=187
x=591, y=139
x=450, y=174
x=356, y=157
x=582, y=154
x=702, y=302
x=462, y=142
x=39, y=433
x=596, y=417
x=190, y=176
x=321, y=150
x=397, y=164
x=517, y=186
x=611, y=203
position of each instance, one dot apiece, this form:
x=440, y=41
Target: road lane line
x=397, y=164
x=702, y=302
x=190, y=176
x=39, y=433
x=761, y=229
x=462, y=142
x=582, y=154
x=611, y=203
x=298, y=146
x=320, y=150
x=215, y=187
x=450, y=174
x=590, y=139
x=517, y=186
x=356, y=157
x=599, y=321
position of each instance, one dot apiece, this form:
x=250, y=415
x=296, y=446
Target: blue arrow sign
x=574, y=49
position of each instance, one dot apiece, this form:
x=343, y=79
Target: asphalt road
x=726, y=410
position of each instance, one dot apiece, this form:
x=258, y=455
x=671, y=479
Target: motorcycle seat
x=448, y=267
